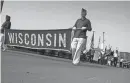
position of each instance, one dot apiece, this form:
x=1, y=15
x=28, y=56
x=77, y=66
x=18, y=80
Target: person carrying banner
x=80, y=28
x=5, y=25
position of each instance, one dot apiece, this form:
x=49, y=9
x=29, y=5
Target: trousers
x=2, y=40
x=115, y=61
x=76, y=46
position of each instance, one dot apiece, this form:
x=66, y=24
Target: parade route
x=24, y=68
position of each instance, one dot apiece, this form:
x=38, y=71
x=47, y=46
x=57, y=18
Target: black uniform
x=6, y=24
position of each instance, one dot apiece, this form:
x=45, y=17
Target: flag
x=2, y=2
x=102, y=47
x=99, y=42
x=105, y=49
x=92, y=42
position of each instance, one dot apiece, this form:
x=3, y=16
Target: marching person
x=92, y=55
x=109, y=61
x=121, y=61
x=115, y=57
x=80, y=28
x=89, y=55
x=5, y=25
x=112, y=58
x=99, y=58
x=102, y=57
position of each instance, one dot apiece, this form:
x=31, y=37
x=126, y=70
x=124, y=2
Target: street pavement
x=20, y=67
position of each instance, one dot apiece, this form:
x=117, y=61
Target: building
x=125, y=55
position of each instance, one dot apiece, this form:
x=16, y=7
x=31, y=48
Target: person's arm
x=89, y=28
x=75, y=25
x=71, y=27
x=3, y=25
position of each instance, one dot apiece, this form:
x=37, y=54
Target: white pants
x=76, y=46
x=109, y=62
x=2, y=40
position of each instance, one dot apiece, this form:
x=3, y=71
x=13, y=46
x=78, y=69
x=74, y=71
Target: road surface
x=19, y=67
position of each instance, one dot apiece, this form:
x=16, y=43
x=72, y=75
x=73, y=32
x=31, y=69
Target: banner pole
x=2, y=2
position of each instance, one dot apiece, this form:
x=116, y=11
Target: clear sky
x=113, y=18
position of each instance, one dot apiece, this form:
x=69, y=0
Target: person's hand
x=74, y=28
x=83, y=28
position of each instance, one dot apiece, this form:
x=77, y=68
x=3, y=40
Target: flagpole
x=103, y=39
x=99, y=42
x=93, y=40
x=2, y=2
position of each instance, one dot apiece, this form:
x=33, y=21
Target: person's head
x=83, y=13
x=7, y=18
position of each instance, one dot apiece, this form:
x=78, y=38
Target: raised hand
x=74, y=28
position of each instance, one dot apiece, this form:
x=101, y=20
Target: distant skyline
x=111, y=17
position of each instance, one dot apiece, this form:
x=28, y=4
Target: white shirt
x=121, y=60
x=102, y=52
x=115, y=55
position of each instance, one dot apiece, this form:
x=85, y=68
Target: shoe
x=75, y=64
x=3, y=49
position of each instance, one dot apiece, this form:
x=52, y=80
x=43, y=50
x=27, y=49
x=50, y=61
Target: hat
x=84, y=10
x=8, y=17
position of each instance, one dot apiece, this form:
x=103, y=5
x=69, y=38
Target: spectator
x=92, y=55
x=102, y=57
x=121, y=61
x=99, y=58
x=115, y=58
x=109, y=61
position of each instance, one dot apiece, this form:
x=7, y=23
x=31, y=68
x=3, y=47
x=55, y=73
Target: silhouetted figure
x=92, y=55
x=115, y=58
x=5, y=25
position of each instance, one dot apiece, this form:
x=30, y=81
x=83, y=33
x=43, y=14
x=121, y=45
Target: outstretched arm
x=3, y=25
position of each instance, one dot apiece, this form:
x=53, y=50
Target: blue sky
x=111, y=17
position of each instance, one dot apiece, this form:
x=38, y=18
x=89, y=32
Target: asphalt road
x=19, y=67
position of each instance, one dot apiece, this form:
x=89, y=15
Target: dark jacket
x=79, y=24
x=6, y=24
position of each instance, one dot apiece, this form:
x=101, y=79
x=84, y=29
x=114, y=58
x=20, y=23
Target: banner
x=40, y=39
